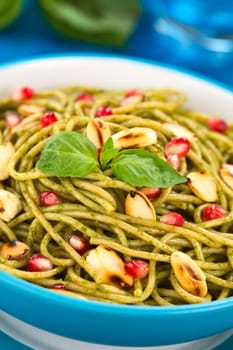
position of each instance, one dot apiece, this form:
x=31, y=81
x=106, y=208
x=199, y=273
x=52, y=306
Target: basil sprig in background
x=108, y=22
x=9, y=11
x=71, y=154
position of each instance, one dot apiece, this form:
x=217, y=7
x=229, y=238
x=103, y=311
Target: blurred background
x=168, y=31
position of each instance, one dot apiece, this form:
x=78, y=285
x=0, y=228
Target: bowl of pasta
x=116, y=205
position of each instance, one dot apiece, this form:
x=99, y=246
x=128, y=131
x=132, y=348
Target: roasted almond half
x=10, y=205
x=6, y=152
x=137, y=204
x=14, y=250
x=189, y=274
x=179, y=131
x=226, y=173
x=132, y=100
x=203, y=185
x=98, y=132
x=29, y=109
x=134, y=138
x=108, y=266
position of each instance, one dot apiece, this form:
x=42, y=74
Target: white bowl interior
x=119, y=73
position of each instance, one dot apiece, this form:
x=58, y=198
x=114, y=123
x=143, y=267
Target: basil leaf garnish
x=71, y=154
x=9, y=11
x=139, y=167
x=68, y=154
x=103, y=22
x=108, y=153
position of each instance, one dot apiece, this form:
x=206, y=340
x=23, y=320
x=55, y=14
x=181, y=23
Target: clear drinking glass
x=197, y=33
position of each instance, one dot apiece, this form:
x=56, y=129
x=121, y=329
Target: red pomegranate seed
x=103, y=111
x=39, y=263
x=48, y=198
x=172, y=219
x=85, y=97
x=174, y=161
x=150, y=192
x=218, y=125
x=213, y=211
x=79, y=243
x=23, y=93
x=59, y=286
x=12, y=119
x=178, y=145
x=135, y=92
x=137, y=268
x=48, y=119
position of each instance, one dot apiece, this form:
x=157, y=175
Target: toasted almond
x=132, y=100
x=14, y=250
x=134, y=138
x=189, y=274
x=10, y=205
x=226, y=173
x=28, y=109
x=6, y=152
x=179, y=131
x=137, y=204
x=203, y=186
x=108, y=266
x=98, y=132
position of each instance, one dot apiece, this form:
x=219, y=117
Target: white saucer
x=38, y=339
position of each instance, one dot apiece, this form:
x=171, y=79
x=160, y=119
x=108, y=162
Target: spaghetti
x=88, y=236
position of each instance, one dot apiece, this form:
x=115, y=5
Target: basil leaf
x=97, y=21
x=9, y=11
x=142, y=168
x=68, y=154
x=108, y=153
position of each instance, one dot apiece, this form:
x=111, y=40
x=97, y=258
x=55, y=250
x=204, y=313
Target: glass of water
x=195, y=33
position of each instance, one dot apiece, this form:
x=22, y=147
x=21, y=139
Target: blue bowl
x=98, y=322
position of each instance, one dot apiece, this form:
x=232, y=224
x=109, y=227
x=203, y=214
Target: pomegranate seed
x=135, y=92
x=23, y=93
x=12, y=119
x=218, y=125
x=150, y=192
x=103, y=111
x=48, y=198
x=48, y=119
x=213, y=211
x=137, y=268
x=172, y=219
x=79, y=243
x=85, y=97
x=174, y=161
x=59, y=286
x=178, y=145
x=39, y=263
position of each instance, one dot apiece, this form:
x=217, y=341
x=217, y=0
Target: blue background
x=31, y=35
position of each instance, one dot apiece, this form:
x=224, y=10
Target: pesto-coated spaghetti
x=118, y=196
